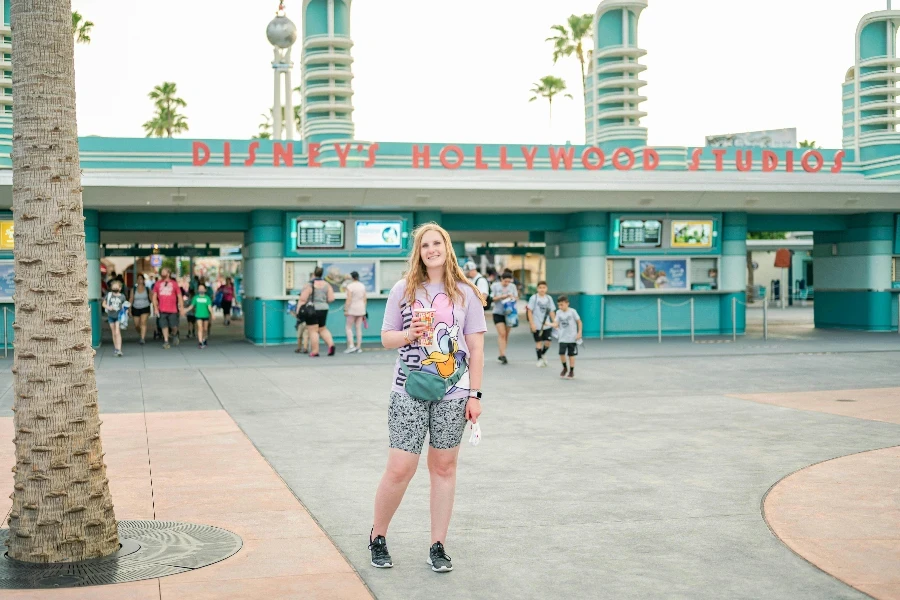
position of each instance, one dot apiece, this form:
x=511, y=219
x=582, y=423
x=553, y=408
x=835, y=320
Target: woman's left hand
x=473, y=409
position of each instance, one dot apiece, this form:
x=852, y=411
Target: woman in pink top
x=227, y=299
x=355, y=312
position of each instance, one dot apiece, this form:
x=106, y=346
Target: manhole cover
x=149, y=549
x=844, y=400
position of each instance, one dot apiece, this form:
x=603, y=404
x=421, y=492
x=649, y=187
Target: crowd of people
x=163, y=302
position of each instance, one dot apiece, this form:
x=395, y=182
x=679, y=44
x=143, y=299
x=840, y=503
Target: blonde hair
x=417, y=275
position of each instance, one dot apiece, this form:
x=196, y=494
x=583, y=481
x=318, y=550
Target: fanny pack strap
x=450, y=381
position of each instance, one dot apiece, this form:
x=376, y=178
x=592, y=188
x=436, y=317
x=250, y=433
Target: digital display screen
x=318, y=233
x=692, y=234
x=640, y=234
x=379, y=234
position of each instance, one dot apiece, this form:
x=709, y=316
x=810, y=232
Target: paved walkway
x=640, y=479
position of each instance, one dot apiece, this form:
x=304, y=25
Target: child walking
x=569, y=324
x=201, y=304
x=541, y=314
x=112, y=304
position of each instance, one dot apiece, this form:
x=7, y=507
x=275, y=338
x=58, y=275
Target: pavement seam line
x=288, y=487
x=147, y=440
x=762, y=510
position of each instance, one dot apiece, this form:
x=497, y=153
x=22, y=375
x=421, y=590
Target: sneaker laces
x=437, y=551
x=379, y=547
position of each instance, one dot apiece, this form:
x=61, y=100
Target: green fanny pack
x=428, y=386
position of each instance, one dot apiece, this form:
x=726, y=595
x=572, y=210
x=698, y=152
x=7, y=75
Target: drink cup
x=426, y=315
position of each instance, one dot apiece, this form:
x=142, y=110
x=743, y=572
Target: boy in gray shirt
x=570, y=328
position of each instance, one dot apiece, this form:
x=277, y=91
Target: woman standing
x=355, y=312
x=322, y=295
x=227, y=299
x=454, y=354
x=140, y=307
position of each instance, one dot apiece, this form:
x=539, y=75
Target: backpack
x=488, y=298
x=512, y=314
x=220, y=295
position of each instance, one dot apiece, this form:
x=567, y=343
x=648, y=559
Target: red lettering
x=199, y=161
x=227, y=160
x=479, y=158
x=789, y=161
x=567, y=155
x=586, y=158
x=423, y=154
x=504, y=164
x=695, y=159
x=741, y=164
x=373, y=151
x=720, y=155
x=529, y=154
x=314, y=151
x=616, y=159
x=838, y=161
x=280, y=154
x=820, y=162
x=459, y=157
x=770, y=161
x=342, y=156
x=651, y=159
x=251, y=154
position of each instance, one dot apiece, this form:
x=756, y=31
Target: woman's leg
x=326, y=336
x=201, y=330
x=359, y=324
x=442, y=469
x=501, y=337
x=143, y=325
x=349, y=330
x=400, y=469
x=313, y=338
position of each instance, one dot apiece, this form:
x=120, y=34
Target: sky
x=461, y=71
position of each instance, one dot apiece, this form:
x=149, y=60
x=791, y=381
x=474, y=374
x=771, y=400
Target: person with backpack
x=320, y=294
x=541, y=315
x=480, y=282
x=227, y=298
x=113, y=304
x=503, y=292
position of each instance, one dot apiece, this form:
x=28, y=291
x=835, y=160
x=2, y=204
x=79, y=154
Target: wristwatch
x=475, y=394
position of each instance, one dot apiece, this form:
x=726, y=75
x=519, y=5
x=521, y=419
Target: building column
x=92, y=251
x=576, y=264
x=733, y=273
x=853, y=274
x=263, y=253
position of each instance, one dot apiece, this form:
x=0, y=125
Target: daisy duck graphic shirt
x=451, y=324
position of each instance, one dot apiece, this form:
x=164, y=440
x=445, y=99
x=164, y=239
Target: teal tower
x=612, y=91
x=326, y=61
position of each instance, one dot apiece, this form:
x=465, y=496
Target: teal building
x=638, y=236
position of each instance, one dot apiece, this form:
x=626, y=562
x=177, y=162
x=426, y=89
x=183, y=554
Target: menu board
x=378, y=234
x=692, y=234
x=318, y=233
x=640, y=234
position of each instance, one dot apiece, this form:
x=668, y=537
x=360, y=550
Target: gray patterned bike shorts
x=410, y=419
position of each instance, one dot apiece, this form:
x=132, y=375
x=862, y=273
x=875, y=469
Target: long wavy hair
x=417, y=274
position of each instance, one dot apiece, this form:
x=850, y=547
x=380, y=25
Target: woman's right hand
x=417, y=328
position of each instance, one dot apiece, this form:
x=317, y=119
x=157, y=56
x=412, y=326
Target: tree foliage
x=81, y=28
x=167, y=121
x=572, y=39
x=549, y=87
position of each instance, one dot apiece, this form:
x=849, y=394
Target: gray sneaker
x=381, y=558
x=438, y=559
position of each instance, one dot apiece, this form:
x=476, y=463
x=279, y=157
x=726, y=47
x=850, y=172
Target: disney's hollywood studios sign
x=451, y=157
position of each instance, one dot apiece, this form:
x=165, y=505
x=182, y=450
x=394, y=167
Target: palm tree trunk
x=550, y=101
x=61, y=510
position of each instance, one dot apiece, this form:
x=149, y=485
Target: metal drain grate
x=149, y=549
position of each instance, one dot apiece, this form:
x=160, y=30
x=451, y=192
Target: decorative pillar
x=92, y=250
x=263, y=253
x=576, y=264
x=853, y=274
x=282, y=33
x=733, y=272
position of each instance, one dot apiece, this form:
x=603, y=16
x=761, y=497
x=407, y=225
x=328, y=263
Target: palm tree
x=265, y=128
x=167, y=121
x=549, y=87
x=61, y=507
x=81, y=29
x=570, y=39
x=808, y=144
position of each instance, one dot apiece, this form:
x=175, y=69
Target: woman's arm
x=475, y=342
x=398, y=339
x=330, y=296
x=348, y=300
x=304, y=296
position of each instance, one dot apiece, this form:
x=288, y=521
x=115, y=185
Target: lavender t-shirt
x=451, y=324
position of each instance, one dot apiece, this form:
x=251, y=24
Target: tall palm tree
x=569, y=39
x=549, y=87
x=81, y=28
x=167, y=121
x=265, y=128
x=61, y=506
